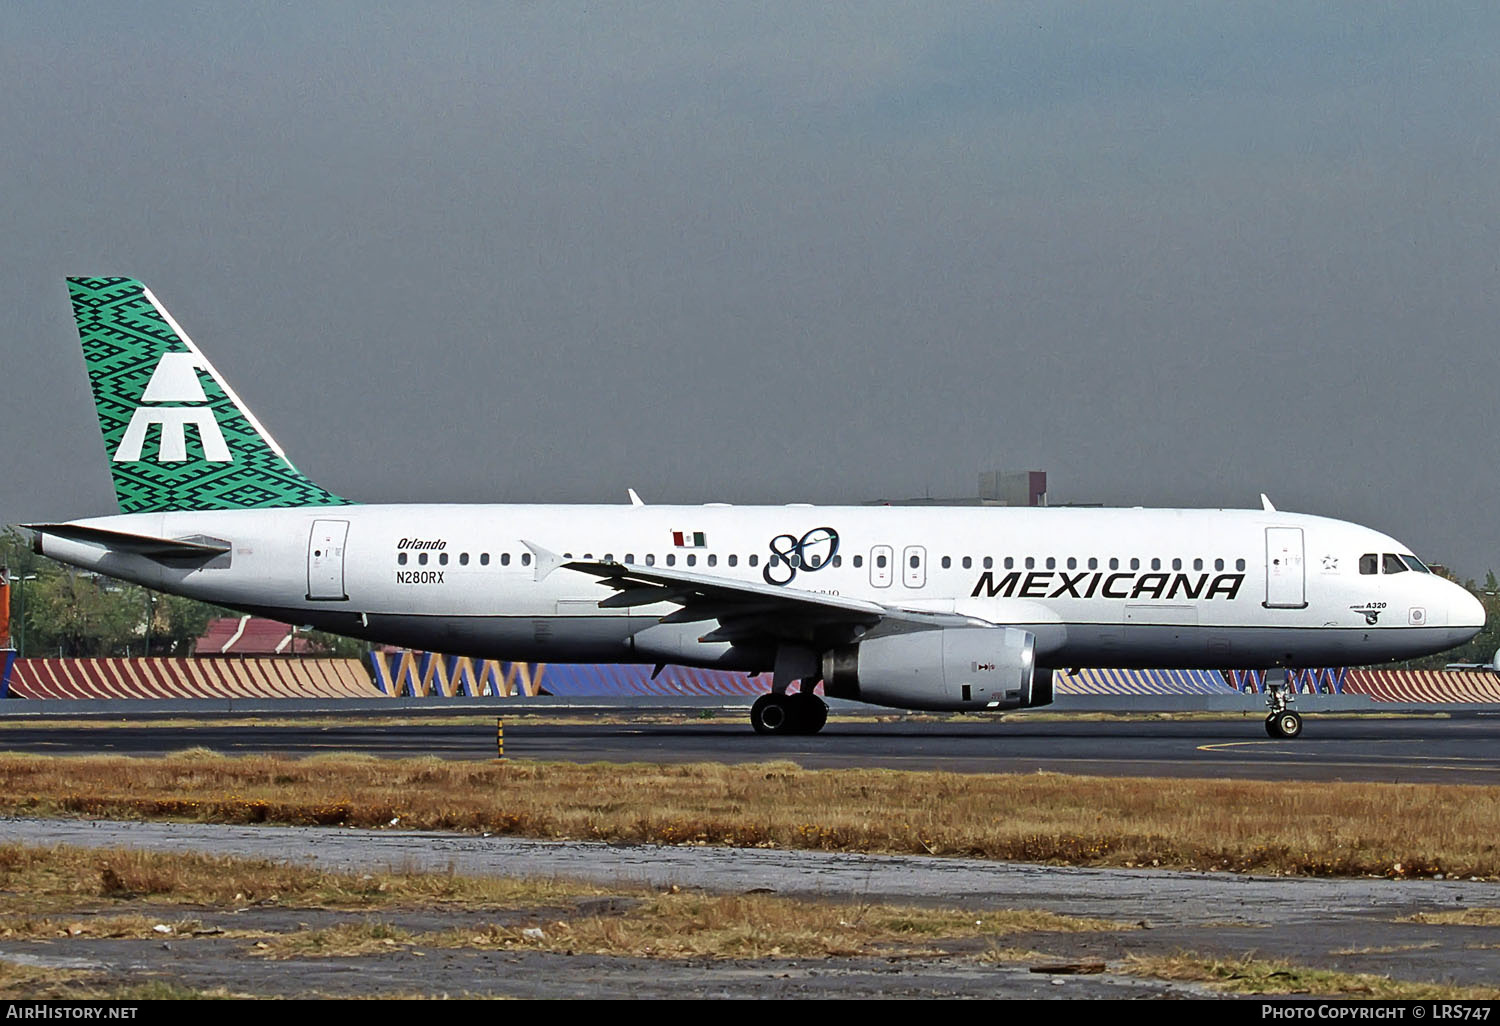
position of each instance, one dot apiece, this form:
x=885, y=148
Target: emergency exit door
x=325, y=560
x=1285, y=574
x=914, y=566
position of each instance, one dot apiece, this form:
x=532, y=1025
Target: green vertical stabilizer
x=177, y=436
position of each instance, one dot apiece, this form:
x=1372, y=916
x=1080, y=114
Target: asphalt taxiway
x=1446, y=749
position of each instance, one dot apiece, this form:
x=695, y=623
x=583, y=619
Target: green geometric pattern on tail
x=124, y=338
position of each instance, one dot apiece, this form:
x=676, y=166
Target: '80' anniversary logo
x=810, y=553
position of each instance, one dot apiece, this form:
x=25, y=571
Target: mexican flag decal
x=690, y=539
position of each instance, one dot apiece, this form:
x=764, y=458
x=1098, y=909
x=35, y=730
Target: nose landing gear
x=1282, y=722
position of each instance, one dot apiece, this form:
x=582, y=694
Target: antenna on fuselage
x=635, y=500
x=1265, y=503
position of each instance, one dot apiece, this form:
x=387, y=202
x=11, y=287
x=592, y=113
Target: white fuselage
x=1097, y=587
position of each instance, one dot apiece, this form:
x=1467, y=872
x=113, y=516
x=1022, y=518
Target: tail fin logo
x=175, y=380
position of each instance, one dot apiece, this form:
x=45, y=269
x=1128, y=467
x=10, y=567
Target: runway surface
x=1432, y=750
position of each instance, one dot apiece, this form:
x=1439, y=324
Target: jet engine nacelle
x=957, y=668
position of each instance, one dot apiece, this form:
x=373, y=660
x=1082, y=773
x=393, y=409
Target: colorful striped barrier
x=1424, y=685
x=1302, y=682
x=1140, y=682
x=190, y=678
x=423, y=674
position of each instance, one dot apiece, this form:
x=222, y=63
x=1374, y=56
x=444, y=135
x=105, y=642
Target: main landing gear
x=796, y=712
x=1282, y=722
x=791, y=712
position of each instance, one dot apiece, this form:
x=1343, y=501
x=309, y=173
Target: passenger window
x=1156, y=564
x=422, y=558
x=525, y=559
x=505, y=559
x=463, y=559
x=880, y=561
x=1239, y=564
x=838, y=561
x=989, y=562
x=1135, y=564
x=734, y=560
x=1051, y=563
x=484, y=559
x=814, y=561
x=754, y=559
x=671, y=559
x=1114, y=562
x=650, y=559
x=401, y=559
x=1031, y=562
x=713, y=560
x=947, y=562
x=1219, y=564
x=1093, y=562
x=1392, y=564
x=630, y=557
x=968, y=562
x=609, y=557
x=442, y=559
x=1072, y=563
x=692, y=560
x=859, y=561
x=1197, y=564
x=915, y=562
x=1010, y=562
x=1176, y=564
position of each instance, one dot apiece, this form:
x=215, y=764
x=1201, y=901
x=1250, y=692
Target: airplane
x=937, y=608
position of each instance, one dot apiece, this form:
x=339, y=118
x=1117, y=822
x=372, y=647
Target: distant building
x=252, y=635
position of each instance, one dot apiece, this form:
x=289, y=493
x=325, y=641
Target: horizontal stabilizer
x=139, y=544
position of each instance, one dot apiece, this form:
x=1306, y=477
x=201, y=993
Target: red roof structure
x=252, y=635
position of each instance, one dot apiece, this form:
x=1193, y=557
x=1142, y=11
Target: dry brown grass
x=1395, y=830
x=39, y=883
x=1458, y=917
x=1251, y=975
x=28, y=981
x=704, y=926
x=120, y=894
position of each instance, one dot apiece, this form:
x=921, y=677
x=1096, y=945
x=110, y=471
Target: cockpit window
x=1391, y=564
x=1415, y=563
x=1369, y=563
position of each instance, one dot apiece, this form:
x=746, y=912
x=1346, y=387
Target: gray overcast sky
x=1174, y=254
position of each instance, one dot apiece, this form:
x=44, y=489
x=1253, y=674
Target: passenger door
x=325, y=560
x=1285, y=577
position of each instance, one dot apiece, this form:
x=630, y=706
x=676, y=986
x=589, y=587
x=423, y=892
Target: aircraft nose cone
x=1466, y=611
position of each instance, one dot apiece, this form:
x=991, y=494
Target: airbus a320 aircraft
x=914, y=607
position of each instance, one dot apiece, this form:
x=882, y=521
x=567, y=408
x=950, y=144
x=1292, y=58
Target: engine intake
x=957, y=668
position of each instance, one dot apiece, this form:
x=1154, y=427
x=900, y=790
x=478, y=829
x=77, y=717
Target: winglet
x=635, y=500
x=1265, y=503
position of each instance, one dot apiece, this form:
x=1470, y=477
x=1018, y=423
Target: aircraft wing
x=748, y=610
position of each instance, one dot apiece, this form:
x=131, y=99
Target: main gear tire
x=774, y=714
